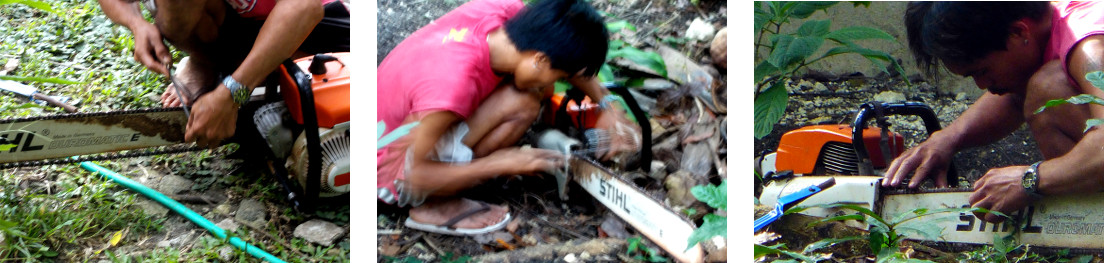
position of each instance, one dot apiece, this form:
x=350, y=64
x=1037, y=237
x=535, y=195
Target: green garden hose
x=179, y=208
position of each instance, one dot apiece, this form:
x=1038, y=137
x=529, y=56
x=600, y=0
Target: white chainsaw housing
x=856, y=190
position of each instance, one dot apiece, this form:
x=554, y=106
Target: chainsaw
x=574, y=135
x=300, y=118
x=814, y=154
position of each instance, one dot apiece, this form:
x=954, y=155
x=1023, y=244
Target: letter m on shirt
x=457, y=36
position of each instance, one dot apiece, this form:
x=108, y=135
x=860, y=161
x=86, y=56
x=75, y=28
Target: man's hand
x=624, y=136
x=526, y=161
x=150, y=49
x=213, y=119
x=1000, y=190
x=930, y=158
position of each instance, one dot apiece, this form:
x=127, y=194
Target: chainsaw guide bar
x=1049, y=225
x=77, y=137
x=668, y=229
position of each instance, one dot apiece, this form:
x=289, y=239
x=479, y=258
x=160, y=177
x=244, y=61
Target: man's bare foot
x=193, y=82
x=439, y=212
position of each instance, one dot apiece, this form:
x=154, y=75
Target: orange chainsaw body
x=803, y=149
x=331, y=91
x=588, y=110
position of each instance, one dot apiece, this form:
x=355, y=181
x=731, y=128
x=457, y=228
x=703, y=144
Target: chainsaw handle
x=641, y=119
x=931, y=125
x=789, y=201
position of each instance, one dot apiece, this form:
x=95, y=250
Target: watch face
x=1029, y=179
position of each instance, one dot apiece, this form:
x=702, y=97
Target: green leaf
x=43, y=6
x=1083, y=99
x=714, y=196
x=877, y=240
x=761, y=250
x=814, y=28
x=858, y=217
x=1079, y=99
x=1049, y=104
x=823, y=243
x=803, y=10
x=1096, y=78
x=761, y=19
x=862, y=3
x=649, y=59
x=922, y=212
x=5, y=147
x=615, y=27
x=1003, y=244
x=715, y=226
x=633, y=243
x=1083, y=259
x=848, y=34
x=605, y=74
x=763, y=70
x=41, y=79
x=927, y=230
x=1092, y=123
x=800, y=49
x=769, y=107
x=779, y=57
x=780, y=9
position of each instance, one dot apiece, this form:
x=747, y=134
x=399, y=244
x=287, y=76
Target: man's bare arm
x=1079, y=171
x=991, y=118
x=122, y=12
x=435, y=178
x=148, y=46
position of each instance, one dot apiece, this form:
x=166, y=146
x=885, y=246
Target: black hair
x=570, y=32
x=962, y=31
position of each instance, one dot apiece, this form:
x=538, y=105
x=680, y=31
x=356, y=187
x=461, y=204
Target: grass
x=59, y=213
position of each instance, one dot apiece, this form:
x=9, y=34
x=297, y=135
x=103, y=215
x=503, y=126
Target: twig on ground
x=432, y=245
x=388, y=232
x=546, y=222
x=407, y=244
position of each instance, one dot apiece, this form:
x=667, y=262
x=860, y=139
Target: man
x=473, y=79
x=1024, y=54
x=233, y=46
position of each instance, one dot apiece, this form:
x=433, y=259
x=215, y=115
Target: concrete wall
x=888, y=17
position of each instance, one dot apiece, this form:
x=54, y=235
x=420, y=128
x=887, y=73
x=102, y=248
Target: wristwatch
x=606, y=102
x=1030, y=181
x=238, y=92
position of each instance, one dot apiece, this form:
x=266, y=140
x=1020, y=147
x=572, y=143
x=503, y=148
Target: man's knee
x=520, y=105
x=188, y=24
x=1049, y=82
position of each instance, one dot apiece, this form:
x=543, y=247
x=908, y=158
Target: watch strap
x=240, y=93
x=607, y=102
x=1031, y=181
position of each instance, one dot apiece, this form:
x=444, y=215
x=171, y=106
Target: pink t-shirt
x=1072, y=22
x=257, y=8
x=444, y=66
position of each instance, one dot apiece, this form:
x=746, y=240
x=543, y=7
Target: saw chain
x=17, y=134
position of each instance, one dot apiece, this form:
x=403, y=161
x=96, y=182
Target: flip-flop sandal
x=448, y=227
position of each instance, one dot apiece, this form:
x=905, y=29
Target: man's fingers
x=891, y=172
x=941, y=179
x=908, y=165
x=920, y=174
